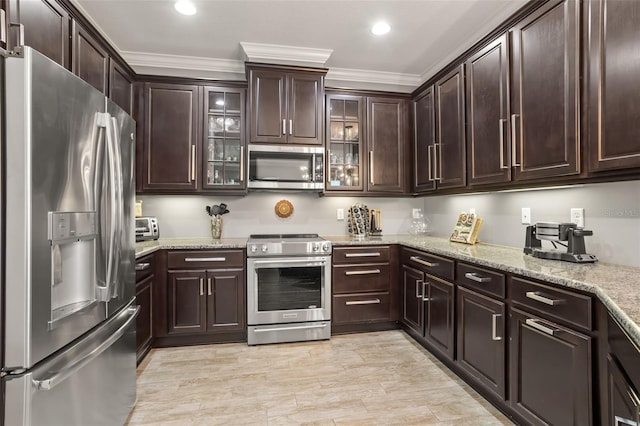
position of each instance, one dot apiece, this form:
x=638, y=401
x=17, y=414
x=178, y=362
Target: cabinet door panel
x=614, y=67
x=386, y=138
x=171, y=137
x=550, y=374
x=225, y=300
x=305, y=109
x=487, y=103
x=424, y=140
x=545, y=95
x=451, y=130
x=144, y=321
x=186, y=307
x=481, y=339
x=439, y=314
x=268, y=106
x=623, y=398
x=412, y=303
x=120, y=87
x=46, y=29
x=90, y=60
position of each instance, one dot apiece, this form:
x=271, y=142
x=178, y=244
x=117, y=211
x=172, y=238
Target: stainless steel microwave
x=286, y=167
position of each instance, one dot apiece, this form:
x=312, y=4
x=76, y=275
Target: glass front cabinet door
x=224, y=150
x=345, y=134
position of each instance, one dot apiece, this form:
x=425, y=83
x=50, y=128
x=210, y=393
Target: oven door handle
x=309, y=261
x=302, y=327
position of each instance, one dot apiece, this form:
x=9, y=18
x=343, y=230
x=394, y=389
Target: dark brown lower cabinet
x=438, y=322
x=144, y=321
x=412, y=303
x=206, y=301
x=427, y=308
x=481, y=339
x=624, y=400
x=550, y=372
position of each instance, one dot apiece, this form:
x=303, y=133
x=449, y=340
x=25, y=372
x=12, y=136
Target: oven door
x=288, y=290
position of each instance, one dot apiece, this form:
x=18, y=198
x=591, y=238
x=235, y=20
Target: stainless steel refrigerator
x=69, y=282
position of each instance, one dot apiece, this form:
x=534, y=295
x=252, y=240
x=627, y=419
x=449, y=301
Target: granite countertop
x=617, y=286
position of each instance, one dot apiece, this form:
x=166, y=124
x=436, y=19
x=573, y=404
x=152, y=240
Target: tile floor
x=365, y=379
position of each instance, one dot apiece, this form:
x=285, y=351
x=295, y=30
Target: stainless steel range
x=288, y=288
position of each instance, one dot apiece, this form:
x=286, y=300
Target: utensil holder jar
x=216, y=227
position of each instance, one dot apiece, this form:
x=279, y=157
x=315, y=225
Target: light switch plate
x=526, y=216
x=340, y=214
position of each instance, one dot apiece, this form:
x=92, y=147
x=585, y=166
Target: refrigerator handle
x=113, y=210
x=63, y=374
x=119, y=202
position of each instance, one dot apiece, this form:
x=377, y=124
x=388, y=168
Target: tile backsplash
x=612, y=212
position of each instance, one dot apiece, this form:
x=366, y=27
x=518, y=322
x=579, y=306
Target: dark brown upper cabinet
x=46, y=29
x=488, y=148
x=450, y=156
x=613, y=84
x=286, y=105
x=90, y=59
x=386, y=144
x=345, y=142
x=424, y=141
x=544, y=92
x=223, y=152
x=120, y=86
x=171, y=137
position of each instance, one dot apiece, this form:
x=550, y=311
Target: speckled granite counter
x=147, y=247
x=618, y=287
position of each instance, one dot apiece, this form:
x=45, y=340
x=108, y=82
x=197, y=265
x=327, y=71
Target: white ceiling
x=425, y=35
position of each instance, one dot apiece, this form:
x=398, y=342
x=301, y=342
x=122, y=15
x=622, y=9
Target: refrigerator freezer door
x=54, y=173
x=91, y=383
x=122, y=132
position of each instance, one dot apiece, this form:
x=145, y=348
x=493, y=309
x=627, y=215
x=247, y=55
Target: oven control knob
x=264, y=248
x=254, y=248
x=316, y=247
x=326, y=247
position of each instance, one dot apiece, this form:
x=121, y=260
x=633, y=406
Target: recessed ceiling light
x=185, y=7
x=380, y=28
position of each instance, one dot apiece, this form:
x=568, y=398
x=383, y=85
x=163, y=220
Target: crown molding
x=341, y=77
x=185, y=66
x=280, y=54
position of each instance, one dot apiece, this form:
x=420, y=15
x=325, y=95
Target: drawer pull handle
x=538, y=297
x=494, y=327
x=374, y=254
x=473, y=276
x=367, y=272
x=142, y=266
x=205, y=259
x=363, y=302
x=423, y=262
x=536, y=324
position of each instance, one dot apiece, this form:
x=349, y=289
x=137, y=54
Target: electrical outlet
x=472, y=211
x=577, y=216
x=526, y=216
x=415, y=213
x=340, y=214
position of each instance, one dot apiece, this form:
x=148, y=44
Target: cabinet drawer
x=429, y=263
x=144, y=267
x=481, y=279
x=360, y=308
x=365, y=278
x=563, y=305
x=360, y=254
x=205, y=259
